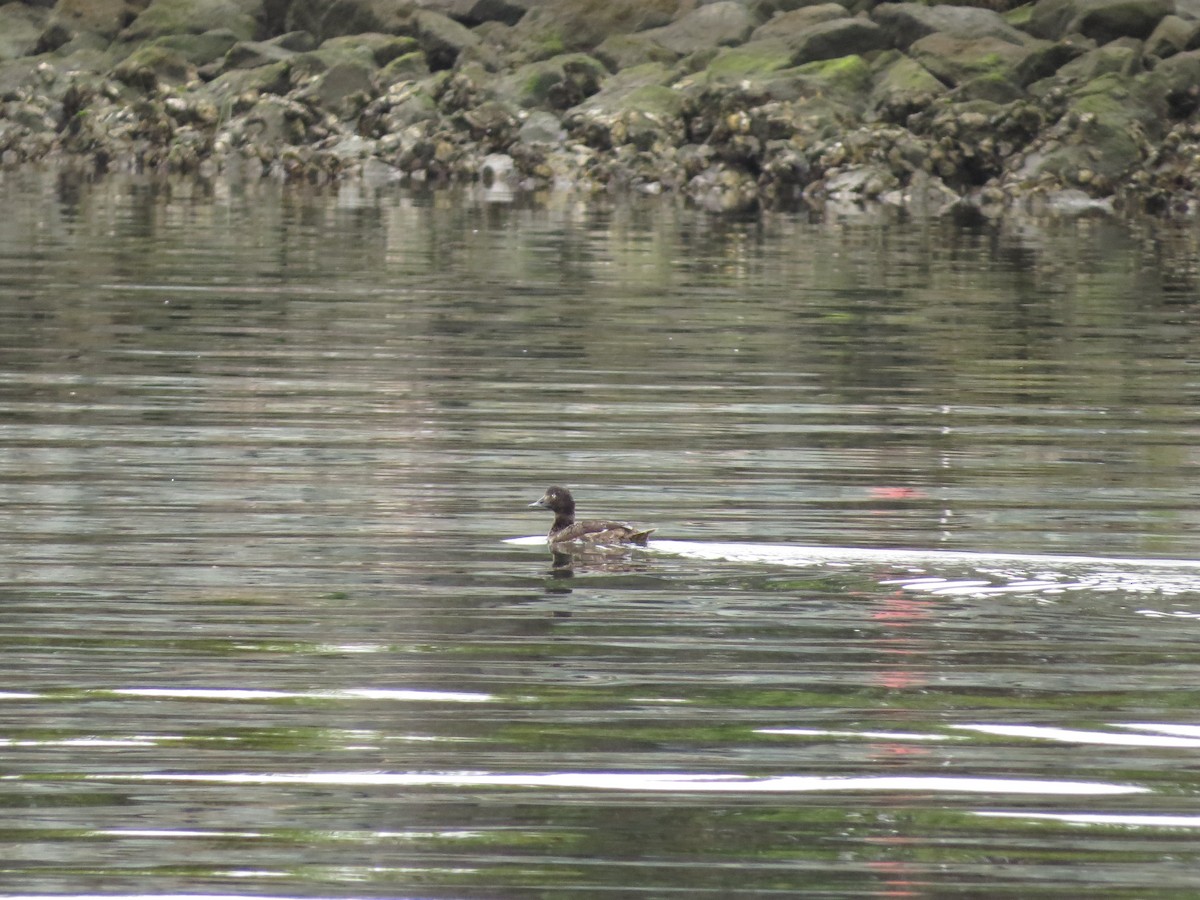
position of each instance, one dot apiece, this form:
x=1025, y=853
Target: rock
x=1100, y=139
x=252, y=54
x=954, y=60
x=167, y=17
x=1122, y=57
x=1101, y=20
x=836, y=38
x=405, y=104
x=1177, y=80
x=151, y=64
x=1172, y=35
x=476, y=12
x=909, y=22
x=344, y=88
x=763, y=10
x=1045, y=58
x=901, y=87
x=633, y=106
x=723, y=189
x=442, y=39
x=272, y=79
x=622, y=51
x=200, y=49
x=100, y=17
x=383, y=48
x=551, y=29
x=542, y=127
x=845, y=81
x=325, y=19
x=865, y=182
x=20, y=29
x=705, y=28
x=789, y=23
x=749, y=61
x=409, y=67
x=556, y=83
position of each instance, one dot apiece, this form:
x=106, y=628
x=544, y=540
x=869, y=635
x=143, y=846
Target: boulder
x=1102, y=137
x=550, y=29
x=835, y=39
x=789, y=23
x=1172, y=35
x=705, y=28
x=442, y=39
x=152, y=64
x=1101, y=20
x=200, y=49
x=167, y=17
x=20, y=29
x=763, y=10
x=101, y=17
x=344, y=88
x=748, y=62
x=901, y=86
x=1122, y=57
x=541, y=127
x=909, y=22
x=556, y=83
x=330, y=18
x=634, y=106
x=724, y=189
x=1177, y=80
x=407, y=67
x=252, y=54
x=476, y=12
x=623, y=51
x=383, y=48
x=954, y=60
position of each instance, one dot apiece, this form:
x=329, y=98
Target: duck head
x=556, y=498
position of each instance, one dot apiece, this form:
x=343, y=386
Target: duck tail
x=640, y=537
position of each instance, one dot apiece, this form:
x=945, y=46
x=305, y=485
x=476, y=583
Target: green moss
x=1019, y=17
x=846, y=73
x=654, y=99
x=748, y=60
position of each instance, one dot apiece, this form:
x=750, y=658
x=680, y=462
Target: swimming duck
x=591, y=531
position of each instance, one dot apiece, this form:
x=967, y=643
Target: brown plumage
x=590, y=531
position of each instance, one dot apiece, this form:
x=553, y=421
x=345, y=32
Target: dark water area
x=921, y=616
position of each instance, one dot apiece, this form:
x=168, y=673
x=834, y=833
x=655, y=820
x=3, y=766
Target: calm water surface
x=921, y=621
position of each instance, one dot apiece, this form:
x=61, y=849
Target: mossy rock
x=849, y=76
x=199, y=49
x=901, y=86
x=272, y=79
x=409, y=67
x=623, y=51
x=954, y=60
x=163, y=17
x=151, y=64
x=382, y=47
x=749, y=61
x=554, y=28
x=557, y=83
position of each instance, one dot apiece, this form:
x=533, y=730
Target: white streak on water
x=1001, y=573
x=648, y=781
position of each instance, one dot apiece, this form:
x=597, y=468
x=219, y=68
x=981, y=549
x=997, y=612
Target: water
x=921, y=616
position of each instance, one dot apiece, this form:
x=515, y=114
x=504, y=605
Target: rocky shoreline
x=1077, y=105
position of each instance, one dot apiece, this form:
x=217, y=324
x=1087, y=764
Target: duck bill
x=538, y=504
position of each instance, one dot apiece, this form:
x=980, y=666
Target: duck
x=590, y=531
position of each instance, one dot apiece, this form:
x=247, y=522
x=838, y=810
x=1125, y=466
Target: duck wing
x=601, y=532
